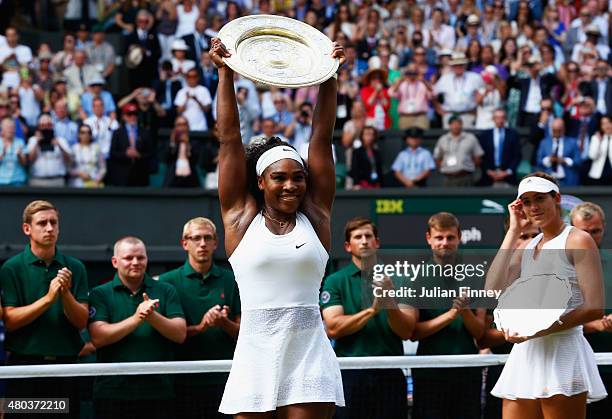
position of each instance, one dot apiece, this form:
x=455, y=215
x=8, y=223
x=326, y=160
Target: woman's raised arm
x=233, y=184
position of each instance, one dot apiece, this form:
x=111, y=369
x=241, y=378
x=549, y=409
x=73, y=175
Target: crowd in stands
x=478, y=68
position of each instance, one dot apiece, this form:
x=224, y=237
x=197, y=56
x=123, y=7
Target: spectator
x=600, y=88
x=101, y=54
x=166, y=16
x=30, y=96
x=577, y=31
x=488, y=58
x=366, y=166
x=447, y=331
x=441, y=35
x=21, y=129
x=193, y=102
x=348, y=91
x=532, y=90
x=182, y=157
x=600, y=154
x=591, y=218
x=585, y=125
x=215, y=26
x=130, y=152
x=472, y=34
x=45, y=299
x=489, y=97
x=413, y=94
x=79, y=73
x=540, y=40
x=187, y=15
x=196, y=40
x=64, y=126
x=502, y=153
x=13, y=57
x=180, y=64
x=134, y=318
x=559, y=156
x=82, y=36
x=593, y=34
x=49, y=156
x=473, y=55
x=43, y=76
x=142, y=52
x=375, y=96
x=209, y=77
x=458, y=91
x=89, y=165
x=269, y=128
x=543, y=127
x=65, y=58
x=282, y=116
x=299, y=130
x=126, y=17
x=366, y=330
x=458, y=153
x=96, y=90
x=12, y=157
x=166, y=89
x=211, y=303
x=102, y=126
x=351, y=131
x=343, y=22
x=413, y=164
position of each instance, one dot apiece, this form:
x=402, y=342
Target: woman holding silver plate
x=550, y=373
x=276, y=212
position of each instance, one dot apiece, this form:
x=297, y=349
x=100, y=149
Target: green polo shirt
x=25, y=279
x=348, y=289
x=114, y=302
x=198, y=294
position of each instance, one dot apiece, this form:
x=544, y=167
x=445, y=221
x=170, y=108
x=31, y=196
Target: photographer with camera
x=298, y=131
x=49, y=156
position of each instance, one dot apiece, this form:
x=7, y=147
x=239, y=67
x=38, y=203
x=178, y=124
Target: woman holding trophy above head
x=276, y=212
x=551, y=371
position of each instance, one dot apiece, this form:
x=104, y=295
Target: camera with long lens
x=47, y=137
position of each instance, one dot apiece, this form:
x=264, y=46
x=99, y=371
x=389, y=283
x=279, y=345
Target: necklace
x=282, y=224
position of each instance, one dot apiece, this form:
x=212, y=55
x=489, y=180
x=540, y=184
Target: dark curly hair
x=253, y=153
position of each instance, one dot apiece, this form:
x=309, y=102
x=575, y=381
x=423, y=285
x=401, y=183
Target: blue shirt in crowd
x=411, y=163
x=87, y=103
x=11, y=170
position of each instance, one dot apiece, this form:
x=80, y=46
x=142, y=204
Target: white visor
x=536, y=184
x=275, y=154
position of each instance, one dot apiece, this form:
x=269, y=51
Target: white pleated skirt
x=561, y=363
x=282, y=357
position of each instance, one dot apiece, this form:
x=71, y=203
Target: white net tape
x=190, y=367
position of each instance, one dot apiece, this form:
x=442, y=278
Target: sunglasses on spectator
x=572, y=70
x=85, y=131
x=197, y=239
x=131, y=113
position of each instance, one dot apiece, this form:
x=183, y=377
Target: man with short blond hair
x=362, y=325
x=209, y=297
x=590, y=217
x=446, y=327
x=134, y=318
x=45, y=299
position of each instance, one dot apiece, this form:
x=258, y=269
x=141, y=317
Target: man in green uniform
x=449, y=393
x=134, y=318
x=44, y=294
x=210, y=300
x=591, y=218
x=361, y=329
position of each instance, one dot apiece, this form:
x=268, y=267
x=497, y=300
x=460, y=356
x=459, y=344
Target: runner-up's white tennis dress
x=283, y=355
x=560, y=363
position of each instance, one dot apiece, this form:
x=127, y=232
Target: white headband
x=536, y=184
x=275, y=154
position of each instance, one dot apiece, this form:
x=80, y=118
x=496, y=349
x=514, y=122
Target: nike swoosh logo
x=287, y=149
x=297, y=246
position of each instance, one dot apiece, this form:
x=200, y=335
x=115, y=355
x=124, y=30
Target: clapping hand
x=147, y=307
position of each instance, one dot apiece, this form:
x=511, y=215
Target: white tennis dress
x=282, y=355
x=560, y=363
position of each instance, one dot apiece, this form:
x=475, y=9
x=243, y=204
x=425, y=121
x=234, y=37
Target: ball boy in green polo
x=209, y=297
x=447, y=392
x=44, y=294
x=134, y=318
x=361, y=330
